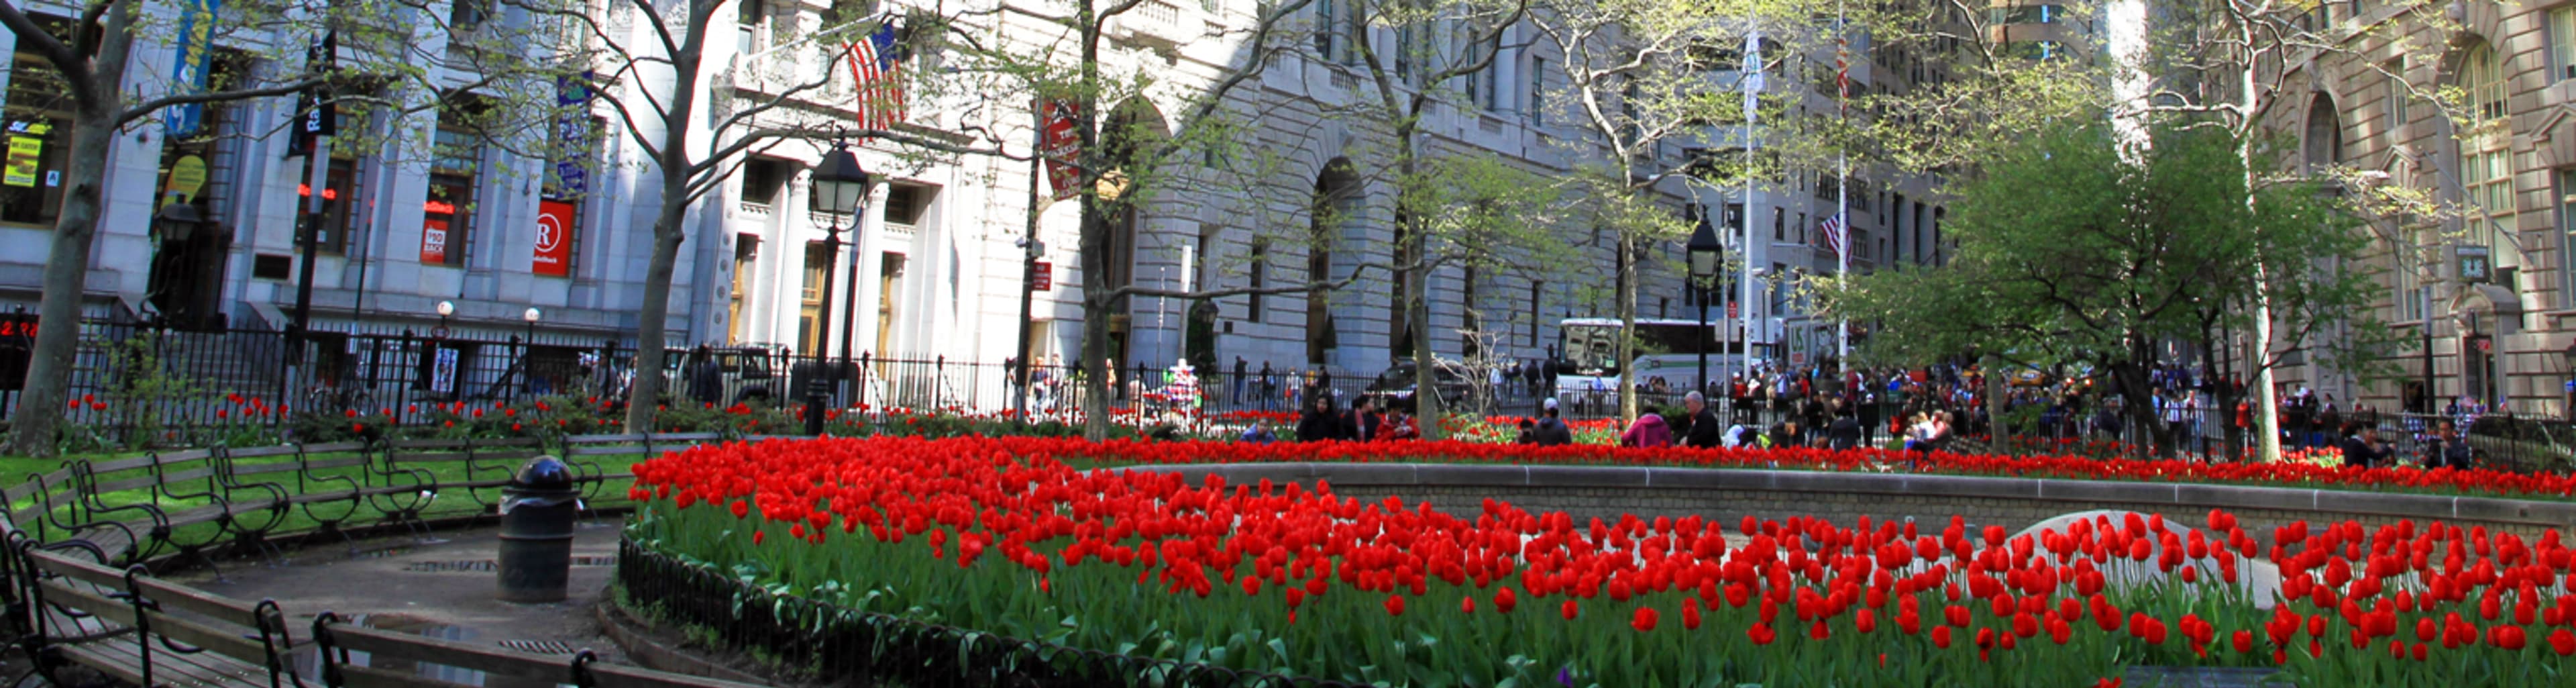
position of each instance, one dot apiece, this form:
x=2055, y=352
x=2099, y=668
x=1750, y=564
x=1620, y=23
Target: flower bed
x=999, y=534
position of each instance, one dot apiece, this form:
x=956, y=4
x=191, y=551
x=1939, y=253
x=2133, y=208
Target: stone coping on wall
x=2171, y=498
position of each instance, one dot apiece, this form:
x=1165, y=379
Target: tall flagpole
x=1752, y=81
x=1842, y=184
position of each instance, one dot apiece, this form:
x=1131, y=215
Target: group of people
x=1364, y=422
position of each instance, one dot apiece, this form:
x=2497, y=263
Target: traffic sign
x=1042, y=278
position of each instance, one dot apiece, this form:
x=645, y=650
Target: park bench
x=141, y=630
x=335, y=482
x=336, y=638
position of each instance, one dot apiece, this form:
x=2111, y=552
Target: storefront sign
x=186, y=177
x=442, y=375
x=2475, y=264
x=26, y=153
x=1062, y=145
x=433, y=242
x=554, y=238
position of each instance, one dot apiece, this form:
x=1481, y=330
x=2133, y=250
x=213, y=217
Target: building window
x=818, y=264
x=2396, y=98
x=332, y=235
x=2567, y=230
x=447, y=220
x=1535, y=110
x=1535, y=287
x=746, y=257
x=2026, y=14
x=747, y=18
x=2482, y=75
x=40, y=125
x=468, y=15
x=2562, y=43
x=1779, y=224
x=1337, y=23
x=2486, y=159
x=1260, y=258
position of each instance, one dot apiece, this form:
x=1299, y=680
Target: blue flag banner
x=573, y=136
x=196, y=55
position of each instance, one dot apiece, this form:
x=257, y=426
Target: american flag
x=1832, y=228
x=876, y=68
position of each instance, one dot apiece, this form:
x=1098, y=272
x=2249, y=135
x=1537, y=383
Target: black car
x=1394, y=388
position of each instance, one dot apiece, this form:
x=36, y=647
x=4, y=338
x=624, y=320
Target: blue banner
x=196, y=55
x=573, y=136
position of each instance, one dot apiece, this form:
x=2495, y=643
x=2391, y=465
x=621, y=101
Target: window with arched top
x=2325, y=135
x=2486, y=158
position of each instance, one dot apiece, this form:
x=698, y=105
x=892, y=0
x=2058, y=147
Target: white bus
x=1669, y=349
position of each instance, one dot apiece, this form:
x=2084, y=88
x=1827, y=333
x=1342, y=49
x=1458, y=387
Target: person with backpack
x=1550, y=431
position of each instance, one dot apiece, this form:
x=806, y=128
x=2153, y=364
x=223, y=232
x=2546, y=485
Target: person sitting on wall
x=1550, y=431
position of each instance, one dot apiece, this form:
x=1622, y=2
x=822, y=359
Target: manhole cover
x=543, y=647
x=490, y=565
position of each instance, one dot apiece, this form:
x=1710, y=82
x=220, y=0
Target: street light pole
x=1705, y=251
x=839, y=184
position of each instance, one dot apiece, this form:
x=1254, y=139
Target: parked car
x=1395, y=387
x=749, y=372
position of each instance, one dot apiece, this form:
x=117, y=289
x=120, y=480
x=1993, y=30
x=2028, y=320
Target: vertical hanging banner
x=196, y=56
x=1061, y=143
x=321, y=116
x=554, y=239
x=573, y=136
x=433, y=242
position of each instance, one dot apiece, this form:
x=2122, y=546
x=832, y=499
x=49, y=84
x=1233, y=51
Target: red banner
x=1061, y=143
x=554, y=238
x=433, y=242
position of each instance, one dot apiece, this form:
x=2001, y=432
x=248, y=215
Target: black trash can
x=537, y=510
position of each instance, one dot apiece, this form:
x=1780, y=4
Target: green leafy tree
x=2075, y=248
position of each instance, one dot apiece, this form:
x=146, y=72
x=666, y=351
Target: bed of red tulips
x=2479, y=482
x=999, y=534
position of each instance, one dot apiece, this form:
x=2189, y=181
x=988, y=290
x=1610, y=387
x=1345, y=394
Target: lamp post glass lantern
x=1706, y=251
x=839, y=184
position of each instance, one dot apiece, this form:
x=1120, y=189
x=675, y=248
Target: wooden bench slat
x=260, y=452
x=487, y=659
x=118, y=612
x=170, y=594
x=335, y=463
x=118, y=658
x=354, y=676
x=96, y=467
x=620, y=676
x=187, y=475
x=129, y=484
x=334, y=447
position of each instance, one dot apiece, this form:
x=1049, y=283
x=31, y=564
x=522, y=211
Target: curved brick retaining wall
x=2014, y=503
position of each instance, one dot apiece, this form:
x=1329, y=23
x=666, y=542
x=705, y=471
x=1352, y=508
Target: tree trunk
x=1626, y=294
x=39, y=417
x=1094, y=243
x=650, y=335
x=2222, y=396
x=2138, y=394
x=1996, y=432
x=49, y=370
x=670, y=229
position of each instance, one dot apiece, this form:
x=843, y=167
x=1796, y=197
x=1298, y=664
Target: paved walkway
x=441, y=587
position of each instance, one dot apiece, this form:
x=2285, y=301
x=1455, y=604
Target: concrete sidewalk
x=442, y=586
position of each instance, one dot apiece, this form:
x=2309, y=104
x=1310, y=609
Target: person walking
x=1268, y=387
x=706, y=382
x=1239, y=369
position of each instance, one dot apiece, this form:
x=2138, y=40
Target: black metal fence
x=834, y=641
